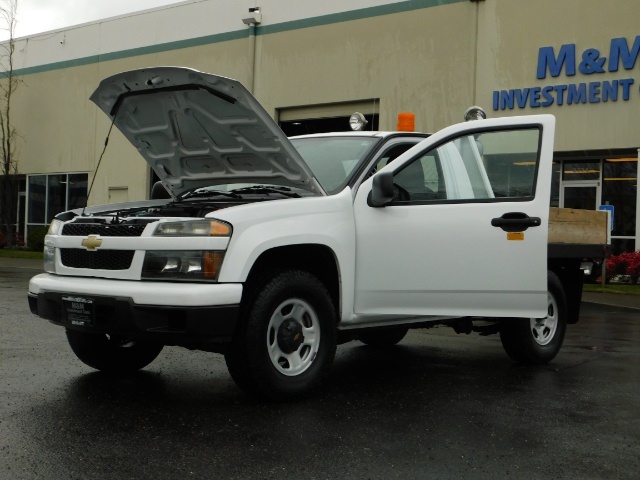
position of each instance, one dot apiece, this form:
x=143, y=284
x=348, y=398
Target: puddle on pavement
x=595, y=348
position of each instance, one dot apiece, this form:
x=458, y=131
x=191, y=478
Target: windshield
x=333, y=159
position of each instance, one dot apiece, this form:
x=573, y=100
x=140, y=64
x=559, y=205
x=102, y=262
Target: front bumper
x=192, y=315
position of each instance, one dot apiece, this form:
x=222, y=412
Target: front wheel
x=286, y=340
x=537, y=341
x=112, y=353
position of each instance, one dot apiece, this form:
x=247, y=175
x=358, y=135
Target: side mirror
x=381, y=190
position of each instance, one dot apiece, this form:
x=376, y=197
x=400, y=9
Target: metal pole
x=252, y=57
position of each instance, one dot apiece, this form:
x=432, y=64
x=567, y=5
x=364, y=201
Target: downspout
x=475, y=58
x=253, y=19
x=252, y=58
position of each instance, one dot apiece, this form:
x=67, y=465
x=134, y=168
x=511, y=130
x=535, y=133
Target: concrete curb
x=22, y=263
x=612, y=300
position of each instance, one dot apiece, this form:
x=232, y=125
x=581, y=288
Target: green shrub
x=35, y=240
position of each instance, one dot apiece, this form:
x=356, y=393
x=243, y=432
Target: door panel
x=434, y=251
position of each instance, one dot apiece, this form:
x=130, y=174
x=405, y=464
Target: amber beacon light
x=406, y=122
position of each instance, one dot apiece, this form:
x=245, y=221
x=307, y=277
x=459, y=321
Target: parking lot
x=438, y=405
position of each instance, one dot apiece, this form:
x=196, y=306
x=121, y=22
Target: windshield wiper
x=209, y=193
x=285, y=191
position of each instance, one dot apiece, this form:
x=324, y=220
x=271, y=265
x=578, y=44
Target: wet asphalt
x=437, y=406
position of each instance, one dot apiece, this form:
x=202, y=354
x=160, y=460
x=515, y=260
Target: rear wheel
x=286, y=340
x=112, y=353
x=383, y=338
x=538, y=340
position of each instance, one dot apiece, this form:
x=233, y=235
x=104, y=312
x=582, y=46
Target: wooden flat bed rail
x=578, y=233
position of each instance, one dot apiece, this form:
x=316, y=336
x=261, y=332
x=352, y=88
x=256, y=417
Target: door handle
x=515, y=222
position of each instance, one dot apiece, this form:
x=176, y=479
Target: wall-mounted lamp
x=253, y=18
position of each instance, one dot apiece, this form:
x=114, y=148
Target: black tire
x=286, y=341
x=538, y=341
x=111, y=353
x=383, y=338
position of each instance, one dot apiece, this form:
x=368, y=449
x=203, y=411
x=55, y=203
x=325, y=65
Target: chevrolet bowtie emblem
x=91, y=242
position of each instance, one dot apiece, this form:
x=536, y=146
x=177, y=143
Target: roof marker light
x=474, y=113
x=406, y=122
x=357, y=122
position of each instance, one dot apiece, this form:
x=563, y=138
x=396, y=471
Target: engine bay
x=146, y=212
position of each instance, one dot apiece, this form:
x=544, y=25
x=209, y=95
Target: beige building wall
x=396, y=58
x=434, y=58
x=63, y=131
x=510, y=34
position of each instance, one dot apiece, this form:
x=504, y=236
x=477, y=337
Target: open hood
x=197, y=129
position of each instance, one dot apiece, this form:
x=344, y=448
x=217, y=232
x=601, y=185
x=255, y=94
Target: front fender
x=260, y=227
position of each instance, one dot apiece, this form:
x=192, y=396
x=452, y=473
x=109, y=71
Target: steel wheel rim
x=296, y=362
x=543, y=330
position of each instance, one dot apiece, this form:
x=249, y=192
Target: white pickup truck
x=273, y=250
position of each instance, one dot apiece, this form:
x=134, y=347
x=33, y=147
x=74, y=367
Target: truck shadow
x=399, y=399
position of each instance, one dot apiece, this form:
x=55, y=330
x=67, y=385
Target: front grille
x=98, y=260
x=84, y=229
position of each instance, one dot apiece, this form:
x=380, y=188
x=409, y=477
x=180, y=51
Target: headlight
x=55, y=227
x=195, y=228
x=180, y=265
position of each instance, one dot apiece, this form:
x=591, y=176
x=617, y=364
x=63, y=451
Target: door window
x=489, y=166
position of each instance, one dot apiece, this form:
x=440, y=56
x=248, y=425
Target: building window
x=76, y=190
x=555, y=184
x=51, y=194
x=580, y=170
x=588, y=184
x=56, y=195
x=620, y=189
x=37, y=195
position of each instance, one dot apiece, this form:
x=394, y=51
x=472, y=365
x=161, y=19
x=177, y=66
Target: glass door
x=581, y=195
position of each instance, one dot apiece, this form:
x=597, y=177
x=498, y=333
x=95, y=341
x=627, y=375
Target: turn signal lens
x=219, y=229
x=211, y=262
x=49, y=259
